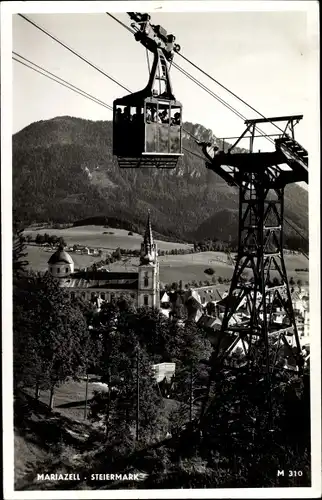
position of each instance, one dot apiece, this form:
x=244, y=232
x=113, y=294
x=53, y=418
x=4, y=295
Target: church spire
x=148, y=236
x=148, y=248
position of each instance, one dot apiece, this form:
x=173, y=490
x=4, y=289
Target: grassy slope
x=59, y=441
x=172, y=267
x=70, y=398
x=45, y=442
x=94, y=236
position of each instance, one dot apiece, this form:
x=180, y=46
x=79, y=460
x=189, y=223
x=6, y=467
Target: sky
x=263, y=57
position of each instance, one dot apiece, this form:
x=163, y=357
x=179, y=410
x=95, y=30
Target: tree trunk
x=191, y=395
x=108, y=403
x=86, y=396
x=51, y=399
x=137, y=396
x=37, y=391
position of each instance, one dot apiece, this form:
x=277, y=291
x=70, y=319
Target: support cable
x=115, y=81
x=300, y=235
x=68, y=86
x=201, y=85
x=188, y=75
x=121, y=23
x=79, y=91
x=222, y=101
x=227, y=90
x=72, y=50
x=81, y=57
x=90, y=96
x=194, y=154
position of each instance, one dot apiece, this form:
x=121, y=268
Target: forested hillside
x=64, y=171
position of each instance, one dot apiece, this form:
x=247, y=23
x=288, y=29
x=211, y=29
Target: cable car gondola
x=147, y=125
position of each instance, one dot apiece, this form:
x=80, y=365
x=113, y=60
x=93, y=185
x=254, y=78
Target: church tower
x=149, y=282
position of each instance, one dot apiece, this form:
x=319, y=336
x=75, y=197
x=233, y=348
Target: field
x=93, y=236
x=192, y=266
x=69, y=399
x=187, y=268
x=38, y=258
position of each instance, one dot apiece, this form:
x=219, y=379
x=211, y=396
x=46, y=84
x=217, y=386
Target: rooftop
x=103, y=279
x=60, y=256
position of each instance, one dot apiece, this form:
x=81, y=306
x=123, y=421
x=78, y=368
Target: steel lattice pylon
x=258, y=309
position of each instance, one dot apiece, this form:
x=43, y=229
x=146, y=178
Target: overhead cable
x=120, y=22
x=72, y=50
x=62, y=80
x=187, y=74
x=296, y=231
x=227, y=89
x=66, y=84
x=79, y=91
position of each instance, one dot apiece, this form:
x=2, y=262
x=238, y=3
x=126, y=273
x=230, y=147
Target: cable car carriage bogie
x=147, y=125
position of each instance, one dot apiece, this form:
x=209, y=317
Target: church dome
x=60, y=256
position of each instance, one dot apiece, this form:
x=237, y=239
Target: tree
x=238, y=429
x=50, y=335
x=209, y=271
x=291, y=281
x=40, y=239
x=193, y=344
x=94, y=267
x=127, y=369
x=26, y=356
x=152, y=330
x=61, y=241
x=117, y=254
x=19, y=263
x=52, y=239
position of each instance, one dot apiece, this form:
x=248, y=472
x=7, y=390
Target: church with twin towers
x=143, y=286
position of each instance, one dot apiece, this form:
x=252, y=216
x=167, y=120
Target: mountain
x=64, y=171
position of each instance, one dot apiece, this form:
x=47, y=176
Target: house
x=93, y=251
x=300, y=301
x=165, y=300
x=164, y=371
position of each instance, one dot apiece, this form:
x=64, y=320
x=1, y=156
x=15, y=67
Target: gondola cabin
x=147, y=125
x=147, y=133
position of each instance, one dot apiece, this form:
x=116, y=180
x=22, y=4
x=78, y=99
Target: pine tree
x=50, y=335
x=19, y=263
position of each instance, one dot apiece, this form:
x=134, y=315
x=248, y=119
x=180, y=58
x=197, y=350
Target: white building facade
x=143, y=286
